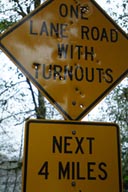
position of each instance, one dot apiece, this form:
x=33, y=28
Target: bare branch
x=21, y=12
x=32, y=93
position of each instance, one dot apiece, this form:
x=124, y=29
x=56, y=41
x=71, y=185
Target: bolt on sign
x=72, y=51
x=71, y=156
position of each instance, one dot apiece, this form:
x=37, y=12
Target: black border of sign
x=27, y=131
x=27, y=73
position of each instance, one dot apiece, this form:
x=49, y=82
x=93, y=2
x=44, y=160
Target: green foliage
x=117, y=111
x=4, y=24
x=13, y=10
x=117, y=101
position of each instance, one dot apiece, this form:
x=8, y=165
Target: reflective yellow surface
x=71, y=156
x=71, y=51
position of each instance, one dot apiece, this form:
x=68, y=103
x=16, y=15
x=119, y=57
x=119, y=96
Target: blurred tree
x=19, y=99
x=19, y=90
x=117, y=102
x=118, y=10
x=115, y=109
x=11, y=12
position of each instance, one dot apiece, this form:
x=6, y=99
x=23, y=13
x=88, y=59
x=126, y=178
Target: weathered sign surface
x=72, y=51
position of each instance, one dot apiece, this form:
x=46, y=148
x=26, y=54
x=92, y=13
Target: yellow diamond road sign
x=72, y=51
x=81, y=157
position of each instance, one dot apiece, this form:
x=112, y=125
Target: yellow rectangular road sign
x=71, y=156
x=72, y=51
